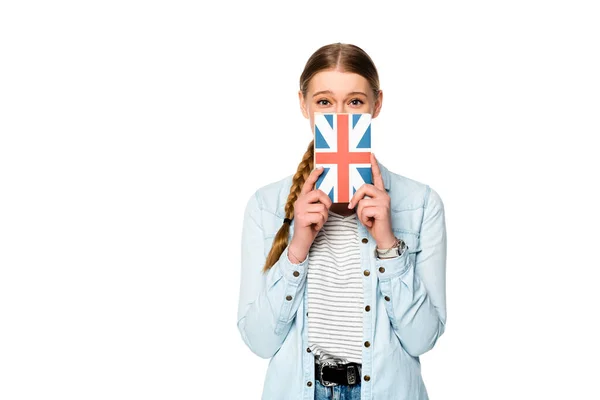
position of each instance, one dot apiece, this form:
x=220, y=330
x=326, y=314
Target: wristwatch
x=396, y=250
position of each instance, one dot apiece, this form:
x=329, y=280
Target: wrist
x=296, y=254
x=396, y=250
x=386, y=243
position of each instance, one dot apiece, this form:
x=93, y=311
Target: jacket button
x=288, y=297
x=296, y=274
x=367, y=344
x=367, y=273
x=367, y=378
x=381, y=269
x=365, y=240
x=309, y=383
x=387, y=298
x=308, y=349
x=368, y=308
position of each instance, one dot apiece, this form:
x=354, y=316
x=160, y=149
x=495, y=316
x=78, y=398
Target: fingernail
x=349, y=205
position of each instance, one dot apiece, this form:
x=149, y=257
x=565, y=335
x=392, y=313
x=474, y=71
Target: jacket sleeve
x=267, y=302
x=415, y=295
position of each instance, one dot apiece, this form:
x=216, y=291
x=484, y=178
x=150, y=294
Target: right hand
x=311, y=210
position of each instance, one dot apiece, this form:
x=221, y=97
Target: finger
x=317, y=195
x=376, y=173
x=364, y=190
x=380, y=205
x=369, y=215
x=362, y=217
x=317, y=208
x=316, y=218
x=370, y=203
x=323, y=209
x=305, y=218
x=309, y=184
x=323, y=198
x=371, y=212
x=325, y=215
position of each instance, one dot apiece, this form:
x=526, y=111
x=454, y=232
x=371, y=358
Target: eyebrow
x=331, y=93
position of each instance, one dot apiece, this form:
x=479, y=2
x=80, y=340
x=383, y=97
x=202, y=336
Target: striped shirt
x=335, y=291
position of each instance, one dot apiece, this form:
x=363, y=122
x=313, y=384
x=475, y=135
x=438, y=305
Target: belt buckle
x=351, y=374
x=323, y=382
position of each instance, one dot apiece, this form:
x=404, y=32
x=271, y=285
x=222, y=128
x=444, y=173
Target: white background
x=133, y=133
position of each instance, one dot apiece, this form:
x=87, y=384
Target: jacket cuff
x=389, y=268
x=294, y=276
x=293, y=273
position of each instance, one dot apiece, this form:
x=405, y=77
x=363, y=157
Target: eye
x=323, y=102
x=357, y=102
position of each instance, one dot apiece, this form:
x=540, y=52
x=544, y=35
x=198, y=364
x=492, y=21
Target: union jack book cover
x=343, y=148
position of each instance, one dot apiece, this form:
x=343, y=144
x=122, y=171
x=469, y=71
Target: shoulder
x=411, y=203
x=409, y=194
x=271, y=197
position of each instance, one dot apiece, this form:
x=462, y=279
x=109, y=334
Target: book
x=342, y=145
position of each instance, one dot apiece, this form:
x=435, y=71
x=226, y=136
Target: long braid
x=280, y=241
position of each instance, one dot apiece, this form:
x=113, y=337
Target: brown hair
x=341, y=56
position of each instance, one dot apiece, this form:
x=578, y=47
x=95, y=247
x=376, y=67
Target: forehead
x=338, y=82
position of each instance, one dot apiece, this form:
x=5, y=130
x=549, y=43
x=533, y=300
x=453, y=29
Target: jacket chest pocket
x=406, y=225
x=270, y=234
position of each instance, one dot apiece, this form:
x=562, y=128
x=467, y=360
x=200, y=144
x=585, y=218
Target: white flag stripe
x=357, y=133
x=356, y=178
x=329, y=133
x=330, y=181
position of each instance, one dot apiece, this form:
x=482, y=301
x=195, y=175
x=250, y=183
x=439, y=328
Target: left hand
x=374, y=208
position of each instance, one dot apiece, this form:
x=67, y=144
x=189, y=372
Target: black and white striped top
x=335, y=291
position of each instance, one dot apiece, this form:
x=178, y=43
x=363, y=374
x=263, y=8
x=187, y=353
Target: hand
x=311, y=210
x=374, y=208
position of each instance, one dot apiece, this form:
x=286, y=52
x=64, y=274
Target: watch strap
x=396, y=250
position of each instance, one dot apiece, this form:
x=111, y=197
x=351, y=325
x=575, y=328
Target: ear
x=302, y=104
x=378, y=104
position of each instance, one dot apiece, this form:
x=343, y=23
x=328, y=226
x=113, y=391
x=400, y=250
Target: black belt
x=331, y=374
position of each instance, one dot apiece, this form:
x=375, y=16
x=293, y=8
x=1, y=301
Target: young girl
x=343, y=298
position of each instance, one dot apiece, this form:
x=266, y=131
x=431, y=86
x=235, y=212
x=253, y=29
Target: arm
x=268, y=302
x=417, y=293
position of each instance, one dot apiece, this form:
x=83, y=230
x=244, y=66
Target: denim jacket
x=406, y=295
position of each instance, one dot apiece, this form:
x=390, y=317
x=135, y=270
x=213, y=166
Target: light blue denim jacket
x=395, y=331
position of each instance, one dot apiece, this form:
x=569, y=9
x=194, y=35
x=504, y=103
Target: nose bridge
x=340, y=107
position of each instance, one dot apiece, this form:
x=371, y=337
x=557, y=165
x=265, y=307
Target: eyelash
x=353, y=100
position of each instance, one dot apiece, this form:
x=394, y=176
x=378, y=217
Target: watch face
x=401, y=245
